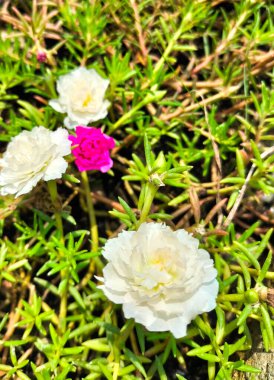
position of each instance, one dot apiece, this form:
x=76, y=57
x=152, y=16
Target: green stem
x=252, y=271
x=64, y=274
x=231, y=297
x=150, y=192
x=149, y=98
x=52, y=187
x=93, y=230
x=168, y=49
x=63, y=303
x=91, y=213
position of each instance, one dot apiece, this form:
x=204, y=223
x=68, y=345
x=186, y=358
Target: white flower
x=82, y=94
x=160, y=276
x=32, y=156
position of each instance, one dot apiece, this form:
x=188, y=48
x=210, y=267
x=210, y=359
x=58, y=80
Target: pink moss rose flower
x=92, y=148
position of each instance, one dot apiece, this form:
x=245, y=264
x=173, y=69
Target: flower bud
x=41, y=56
x=251, y=296
x=156, y=179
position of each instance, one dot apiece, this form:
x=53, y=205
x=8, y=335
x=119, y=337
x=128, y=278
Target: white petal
x=82, y=94
x=161, y=277
x=70, y=124
x=60, y=138
x=56, y=105
x=55, y=169
x=28, y=186
x=113, y=280
x=141, y=314
x=31, y=156
x=158, y=325
x=204, y=300
x=113, y=296
x=119, y=248
x=178, y=327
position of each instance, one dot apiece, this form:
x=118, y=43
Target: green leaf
x=77, y=296
x=70, y=178
x=220, y=326
x=160, y=369
x=265, y=267
x=251, y=258
x=236, y=180
x=4, y=321
x=99, y=344
x=264, y=242
x=30, y=112
x=54, y=335
x=128, y=210
x=248, y=368
x=135, y=360
x=70, y=351
x=200, y=350
x=232, y=199
x=268, y=325
x=22, y=376
x=105, y=371
x=148, y=153
x=258, y=159
x=140, y=336
x=240, y=164
x=237, y=346
x=180, y=377
x=138, y=163
x=209, y=357
x=244, y=314
x=248, y=232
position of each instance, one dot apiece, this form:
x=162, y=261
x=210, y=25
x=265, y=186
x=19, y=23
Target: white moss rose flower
x=81, y=96
x=160, y=276
x=32, y=156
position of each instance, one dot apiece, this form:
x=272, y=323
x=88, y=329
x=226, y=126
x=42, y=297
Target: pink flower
x=92, y=149
x=41, y=56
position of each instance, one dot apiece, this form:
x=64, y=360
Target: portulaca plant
x=161, y=277
x=81, y=97
x=32, y=156
x=85, y=296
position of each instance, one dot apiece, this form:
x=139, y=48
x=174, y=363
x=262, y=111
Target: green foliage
x=192, y=114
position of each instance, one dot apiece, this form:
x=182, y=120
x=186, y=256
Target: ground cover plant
x=170, y=148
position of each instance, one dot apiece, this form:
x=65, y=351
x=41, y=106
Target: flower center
x=160, y=272
x=159, y=262
x=87, y=100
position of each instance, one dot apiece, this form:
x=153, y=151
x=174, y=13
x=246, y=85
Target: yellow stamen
x=87, y=100
x=159, y=261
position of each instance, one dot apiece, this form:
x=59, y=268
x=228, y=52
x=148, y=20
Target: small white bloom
x=160, y=276
x=32, y=156
x=82, y=94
